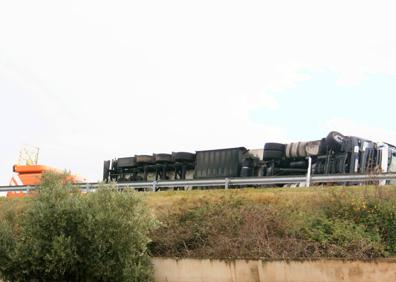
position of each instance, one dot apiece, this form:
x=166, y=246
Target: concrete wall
x=192, y=270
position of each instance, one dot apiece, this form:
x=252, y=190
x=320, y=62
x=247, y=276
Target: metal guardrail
x=229, y=182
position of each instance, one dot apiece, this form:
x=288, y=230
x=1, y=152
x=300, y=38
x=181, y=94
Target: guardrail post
x=27, y=189
x=308, y=181
x=226, y=183
x=154, y=187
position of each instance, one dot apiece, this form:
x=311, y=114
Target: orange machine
x=30, y=175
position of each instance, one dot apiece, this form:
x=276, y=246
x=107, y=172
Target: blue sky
x=90, y=80
x=304, y=110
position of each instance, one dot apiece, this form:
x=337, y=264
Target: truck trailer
x=334, y=154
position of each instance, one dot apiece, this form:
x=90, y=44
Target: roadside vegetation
x=349, y=223
x=59, y=234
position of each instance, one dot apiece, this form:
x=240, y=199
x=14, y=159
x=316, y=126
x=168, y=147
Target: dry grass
x=165, y=200
x=279, y=223
x=357, y=222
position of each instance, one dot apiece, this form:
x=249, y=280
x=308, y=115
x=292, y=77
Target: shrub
x=228, y=227
x=374, y=210
x=65, y=236
x=325, y=223
x=339, y=238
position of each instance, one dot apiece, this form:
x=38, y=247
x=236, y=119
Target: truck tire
x=288, y=150
x=183, y=157
x=275, y=147
x=335, y=140
x=302, y=152
x=163, y=158
x=273, y=155
x=296, y=150
x=126, y=162
x=144, y=159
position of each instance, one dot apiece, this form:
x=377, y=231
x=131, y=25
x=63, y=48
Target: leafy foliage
x=350, y=223
x=64, y=235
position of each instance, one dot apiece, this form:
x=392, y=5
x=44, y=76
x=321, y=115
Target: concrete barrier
x=194, y=270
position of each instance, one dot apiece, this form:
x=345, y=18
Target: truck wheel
x=275, y=147
x=273, y=155
x=144, y=159
x=163, y=158
x=301, y=151
x=334, y=140
x=183, y=157
x=294, y=150
x=288, y=150
x=126, y=162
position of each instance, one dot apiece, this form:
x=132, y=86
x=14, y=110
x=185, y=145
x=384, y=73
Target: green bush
x=374, y=211
x=63, y=235
x=348, y=223
x=341, y=238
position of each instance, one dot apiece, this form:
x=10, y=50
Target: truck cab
x=335, y=154
x=387, y=159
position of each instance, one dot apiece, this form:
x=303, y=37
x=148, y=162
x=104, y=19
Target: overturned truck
x=335, y=154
